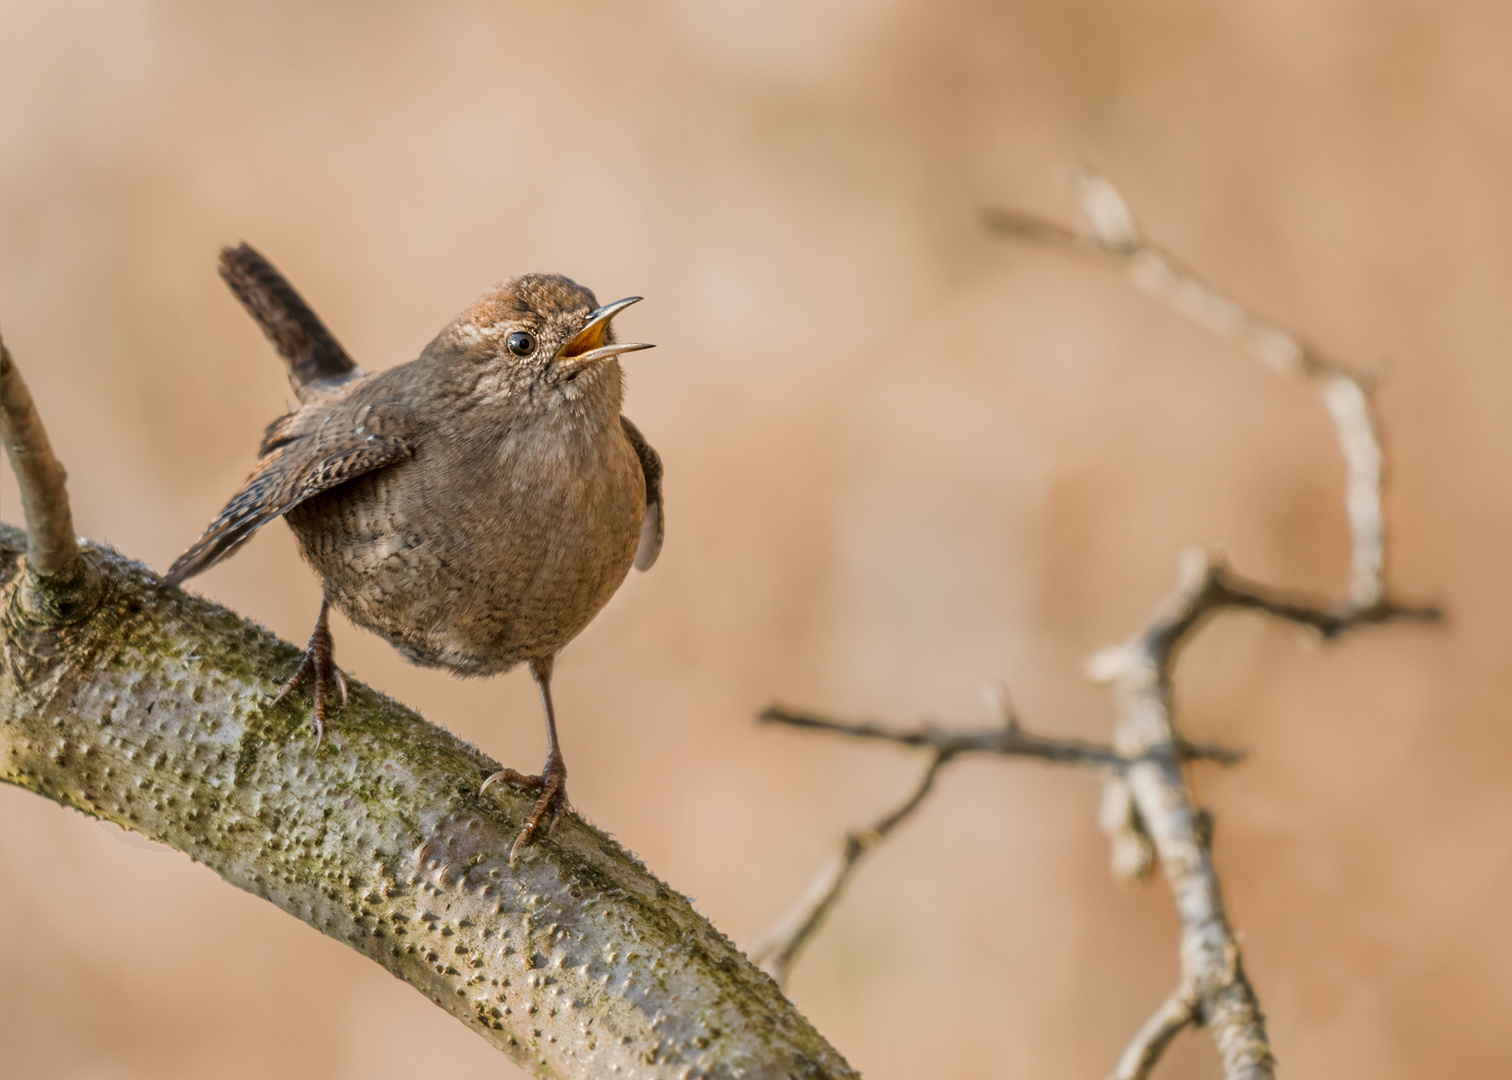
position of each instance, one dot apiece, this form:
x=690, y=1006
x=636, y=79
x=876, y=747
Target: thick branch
x=152, y=712
x=778, y=949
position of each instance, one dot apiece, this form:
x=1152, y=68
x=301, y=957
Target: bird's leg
x=552, y=783
x=319, y=664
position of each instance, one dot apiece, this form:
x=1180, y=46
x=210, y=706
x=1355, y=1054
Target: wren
x=476, y=507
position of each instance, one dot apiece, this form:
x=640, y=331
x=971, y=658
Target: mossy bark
x=149, y=708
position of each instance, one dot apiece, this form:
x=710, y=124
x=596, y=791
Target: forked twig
x=1114, y=237
x=1148, y=810
x=1176, y=1014
x=778, y=949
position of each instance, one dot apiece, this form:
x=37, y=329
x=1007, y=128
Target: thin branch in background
x=1008, y=741
x=1115, y=237
x=1147, y=809
x=1206, y=585
x=779, y=948
x=1177, y=1013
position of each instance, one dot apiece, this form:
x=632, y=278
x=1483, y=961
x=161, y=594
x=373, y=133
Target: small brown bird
x=476, y=507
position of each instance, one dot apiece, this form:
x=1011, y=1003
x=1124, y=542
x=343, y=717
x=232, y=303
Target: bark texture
x=148, y=707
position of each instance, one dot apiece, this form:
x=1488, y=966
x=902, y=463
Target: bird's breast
x=473, y=556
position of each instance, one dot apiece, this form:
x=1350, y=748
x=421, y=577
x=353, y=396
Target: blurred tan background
x=904, y=461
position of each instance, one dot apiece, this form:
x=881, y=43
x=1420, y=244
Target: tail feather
x=313, y=354
x=317, y=363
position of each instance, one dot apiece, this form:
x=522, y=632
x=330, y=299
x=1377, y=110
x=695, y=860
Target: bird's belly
x=474, y=578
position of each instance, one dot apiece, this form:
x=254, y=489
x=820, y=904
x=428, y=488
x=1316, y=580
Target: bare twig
x=51, y=550
x=1009, y=740
x=1206, y=586
x=778, y=949
x=1148, y=810
x=1176, y=1013
x=1115, y=237
x=1179, y=834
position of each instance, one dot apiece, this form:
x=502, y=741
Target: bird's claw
x=318, y=665
x=552, y=784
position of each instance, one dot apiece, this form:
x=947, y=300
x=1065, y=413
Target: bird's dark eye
x=520, y=343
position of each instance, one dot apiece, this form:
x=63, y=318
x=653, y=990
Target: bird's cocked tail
x=315, y=358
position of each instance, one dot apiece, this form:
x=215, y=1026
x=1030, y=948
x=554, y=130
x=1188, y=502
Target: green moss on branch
x=151, y=711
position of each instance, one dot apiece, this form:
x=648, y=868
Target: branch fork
x=58, y=587
x=1147, y=809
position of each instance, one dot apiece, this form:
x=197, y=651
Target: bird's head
x=536, y=337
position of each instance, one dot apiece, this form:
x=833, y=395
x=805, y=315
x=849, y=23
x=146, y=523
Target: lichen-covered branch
x=152, y=712
x=778, y=949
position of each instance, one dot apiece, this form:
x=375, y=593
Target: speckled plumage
x=474, y=507
x=471, y=508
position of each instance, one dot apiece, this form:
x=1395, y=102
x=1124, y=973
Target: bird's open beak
x=589, y=343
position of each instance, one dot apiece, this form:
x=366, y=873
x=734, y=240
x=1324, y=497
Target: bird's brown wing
x=654, y=526
x=305, y=455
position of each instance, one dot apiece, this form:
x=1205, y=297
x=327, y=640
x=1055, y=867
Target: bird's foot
x=318, y=665
x=552, y=784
